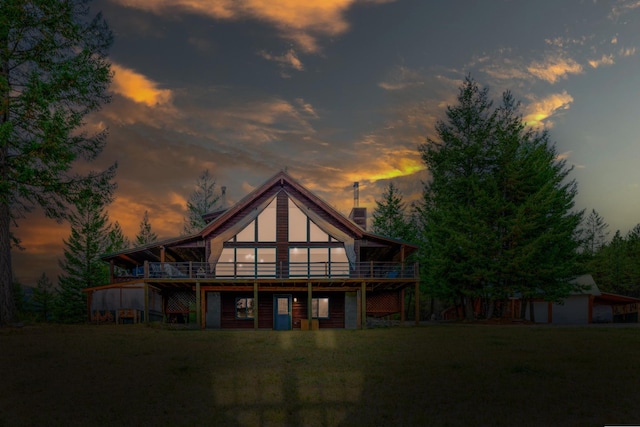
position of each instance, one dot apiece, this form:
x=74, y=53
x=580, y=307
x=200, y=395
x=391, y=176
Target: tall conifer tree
x=498, y=208
x=53, y=72
x=81, y=263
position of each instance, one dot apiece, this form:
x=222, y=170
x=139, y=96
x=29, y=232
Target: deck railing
x=266, y=270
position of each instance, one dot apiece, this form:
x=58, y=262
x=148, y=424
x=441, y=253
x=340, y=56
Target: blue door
x=282, y=312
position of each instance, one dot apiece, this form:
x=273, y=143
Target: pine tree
x=389, y=216
x=44, y=297
x=594, y=233
x=117, y=240
x=145, y=235
x=53, y=72
x=201, y=201
x=498, y=209
x=81, y=264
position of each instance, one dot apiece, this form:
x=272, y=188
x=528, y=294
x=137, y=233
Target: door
x=282, y=312
x=212, y=316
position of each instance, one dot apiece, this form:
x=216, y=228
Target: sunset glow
x=339, y=91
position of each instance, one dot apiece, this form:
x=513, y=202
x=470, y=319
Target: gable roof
x=188, y=246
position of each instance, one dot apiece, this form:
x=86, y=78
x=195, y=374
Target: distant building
x=278, y=258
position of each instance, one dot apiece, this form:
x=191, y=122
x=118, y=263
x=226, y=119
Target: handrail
x=236, y=270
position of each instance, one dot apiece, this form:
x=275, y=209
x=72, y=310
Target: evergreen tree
x=498, y=209
x=81, y=263
x=117, y=240
x=389, y=216
x=145, y=235
x=594, y=233
x=44, y=297
x=201, y=201
x=53, y=72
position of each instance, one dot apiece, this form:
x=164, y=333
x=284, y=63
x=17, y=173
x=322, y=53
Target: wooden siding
x=265, y=310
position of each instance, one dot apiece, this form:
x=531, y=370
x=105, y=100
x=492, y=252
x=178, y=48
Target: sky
x=338, y=91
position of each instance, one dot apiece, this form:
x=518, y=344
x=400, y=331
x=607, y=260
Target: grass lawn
x=440, y=375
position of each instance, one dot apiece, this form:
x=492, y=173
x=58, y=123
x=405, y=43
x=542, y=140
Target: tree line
x=496, y=218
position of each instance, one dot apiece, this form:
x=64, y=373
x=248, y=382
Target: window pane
x=298, y=259
x=323, y=307
x=245, y=258
x=244, y=308
x=266, y=262
x=316, y=234
x=319, y=258
x=339, y=262
x=225, y=262
x=248, y=234
x=320, y=308
x=267, y=223
x=297, y=224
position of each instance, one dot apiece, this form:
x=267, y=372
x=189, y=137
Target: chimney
x=358, y=214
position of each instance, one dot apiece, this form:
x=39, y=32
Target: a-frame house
x=276, y=259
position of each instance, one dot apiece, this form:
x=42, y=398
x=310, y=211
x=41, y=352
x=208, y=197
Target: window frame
x=315, y=308
x=247, y=317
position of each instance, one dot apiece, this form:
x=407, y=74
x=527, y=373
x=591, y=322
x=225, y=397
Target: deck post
x=402, y=313
x=146, y=301
x=146, y=269
x=255, y=306
x=363, y=305
x=417, y=300
x=198, y=303
x=309, y=304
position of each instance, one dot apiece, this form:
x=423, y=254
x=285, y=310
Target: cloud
x=138, y=88
x=288, y=60
x=301, y=22
x=604, y=60
x=630, y=51
x=539, y=111
x=554, y=68
x=402, y=78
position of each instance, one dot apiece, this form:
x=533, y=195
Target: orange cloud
x=300, y=21
x=138, y=88
x=554, y=68
x=287, y=60
x=539, y=111
x=605, y=60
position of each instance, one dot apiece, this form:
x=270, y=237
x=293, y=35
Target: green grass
x=441, y=375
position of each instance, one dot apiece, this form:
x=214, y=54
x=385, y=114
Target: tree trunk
x=7, y=302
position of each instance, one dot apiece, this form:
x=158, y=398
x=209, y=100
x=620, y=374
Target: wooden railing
x=265, y=270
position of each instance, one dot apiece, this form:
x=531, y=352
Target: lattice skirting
x=383, y=303
x=181, y=302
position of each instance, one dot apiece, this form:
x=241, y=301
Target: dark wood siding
x=265, y=310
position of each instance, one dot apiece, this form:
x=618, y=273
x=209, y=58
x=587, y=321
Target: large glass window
x=267, y=223
x=318, y=262
x=247, y=262
x=244, y=308
x=302, y=229
x=248, y=234
x=320, y=308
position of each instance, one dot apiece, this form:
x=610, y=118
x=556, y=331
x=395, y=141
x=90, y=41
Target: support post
x=198, y=307
x=402, y=314
x=255, y=306
x=146, y=301
x=417, y=300
x=363, y=305
x=309, y=304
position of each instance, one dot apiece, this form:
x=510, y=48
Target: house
x=281, y=258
